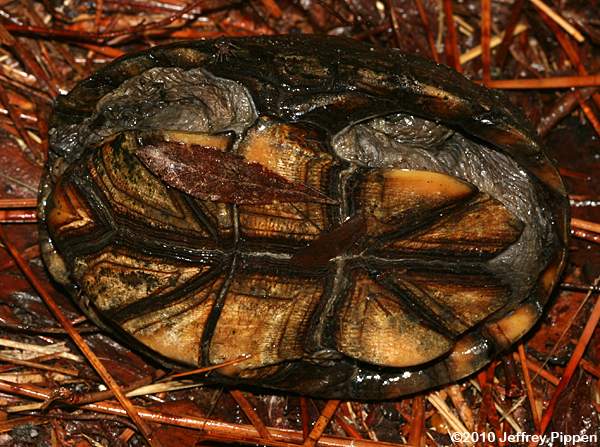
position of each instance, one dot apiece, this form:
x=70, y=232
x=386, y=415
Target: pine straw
x=46, y=383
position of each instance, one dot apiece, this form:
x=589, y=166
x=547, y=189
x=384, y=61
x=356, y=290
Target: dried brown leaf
x=211, y=174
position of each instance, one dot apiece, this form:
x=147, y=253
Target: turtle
x=316, y=215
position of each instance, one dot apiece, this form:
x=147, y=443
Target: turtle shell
x=344, y=221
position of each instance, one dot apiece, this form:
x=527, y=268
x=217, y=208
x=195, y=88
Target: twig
x=18, y=216
x=585, y=225
x=36, y=365
x=77, y=35
x=590, y=368
x=451, y=41
x=574, y=361
x=570, y=323
x=204, y=369
x=27, y=202
x=99, y=12
x=580, y=234
x=503, y=413
x=104, y=50
x=304, y=416
x=494, y=42
x=486, y=380
x=395, y=26
x=486, y=31
x=573, y=55
x=559, y=20
x=415, y=437
x=79, y=341
x=528, y=387
x=546, y=83
x=348, y=428
x=509, y=32
x=30, y=62
x=562, y=108
x=57, y=348
x=254, y=419
x=11, y=424
x=579, y=287
x=272, y=7
x=589, y=113
x=16, y=119
x=215, y=430
x=458, y=400
x=538, y=369
x=29, y=253
x=451, y=419
x=427, y=29
x=317, y=431
x=40, y=330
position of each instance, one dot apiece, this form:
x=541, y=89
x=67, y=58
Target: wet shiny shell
x=347, y=221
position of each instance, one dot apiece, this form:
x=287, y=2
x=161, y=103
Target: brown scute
x=464, y=299
x=182, y=56
x=127, y=68
x=468, y=355
x=220, y=218
x=68, y=212
x=516, y=324
x=218, y=141
x=175, y=331
x=395, y=196
x=297, y=155
x=443, y=103
x=550, y=276
x=134, y=193
x=265, y=317
x=483, y=228
x=375, y=327
x=547, y=175
x=291, y=222
x=114, y=279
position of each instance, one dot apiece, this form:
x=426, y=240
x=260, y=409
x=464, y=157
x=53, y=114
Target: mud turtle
x=352, y=222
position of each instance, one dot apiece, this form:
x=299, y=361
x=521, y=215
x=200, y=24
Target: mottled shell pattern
x=347, y=222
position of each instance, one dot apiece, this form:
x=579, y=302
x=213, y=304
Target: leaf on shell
x=212, y=174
